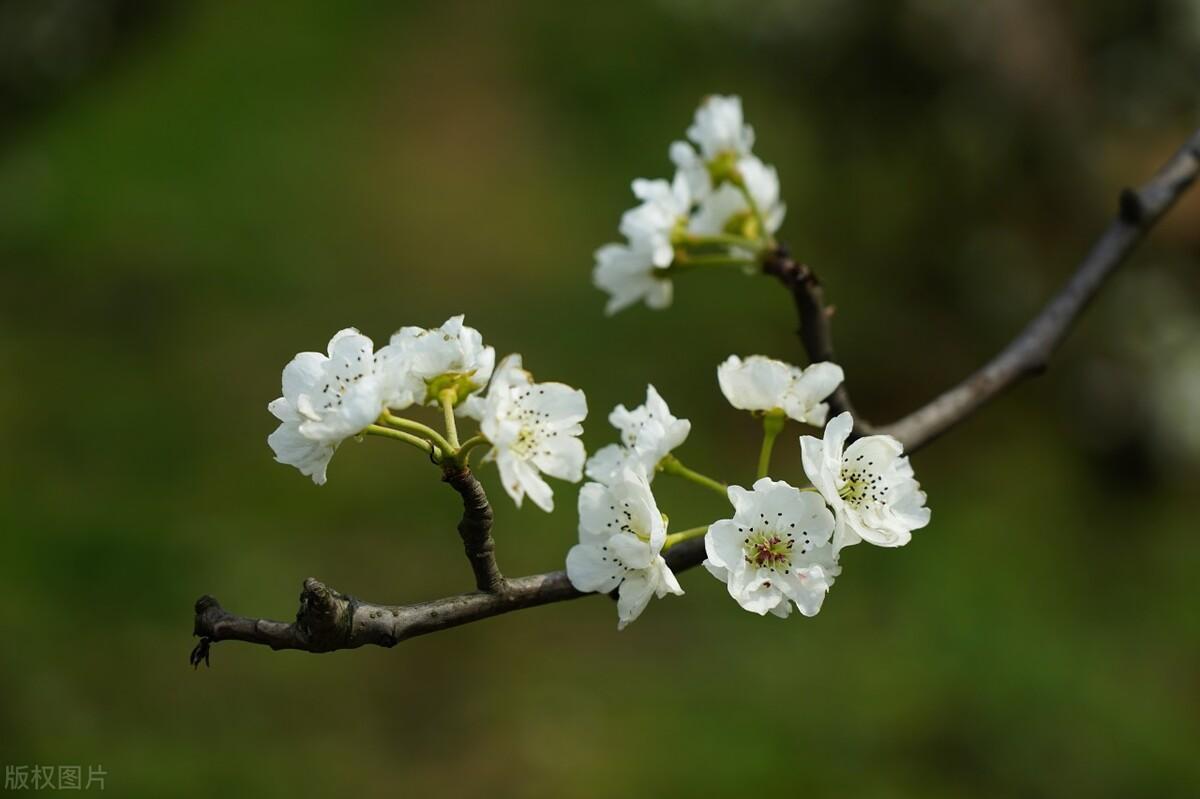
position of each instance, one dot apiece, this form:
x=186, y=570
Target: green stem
x=772, y=427
x=468, y=445
x=684, y=535
x=719, y=240
x=671, y=465
x=425, y=430
x=690, y=261
x=448, y=397
x=387, y=432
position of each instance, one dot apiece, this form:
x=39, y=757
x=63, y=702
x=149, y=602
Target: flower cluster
x=722, y=208
x=781, y=548
x=533, y=428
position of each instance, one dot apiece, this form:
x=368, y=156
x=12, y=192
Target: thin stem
x=671, y=465
x=684, y=535
x=416, y=427
x=688, y=261
x=772, y=427
x=720, y=240
x=447, y=397
x=387, y=432
x=470, y=444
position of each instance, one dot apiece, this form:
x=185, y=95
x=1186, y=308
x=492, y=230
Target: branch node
x=326, y=618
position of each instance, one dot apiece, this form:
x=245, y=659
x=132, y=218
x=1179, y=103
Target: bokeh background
x=190, y=193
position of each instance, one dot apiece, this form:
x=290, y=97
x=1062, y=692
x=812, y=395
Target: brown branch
x=816, y=323
x=1029, y=353
x=476, y=530
x=328, y=620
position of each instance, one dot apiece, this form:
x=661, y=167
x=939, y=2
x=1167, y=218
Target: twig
x=476, y=530
x=329, y=620
x=1029, y=353
x=816, y=324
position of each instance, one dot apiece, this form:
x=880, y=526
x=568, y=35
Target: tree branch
x=816, y=324
x=476, y=530
x=1029, y=353
x=329, y=620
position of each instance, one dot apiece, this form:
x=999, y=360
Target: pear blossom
x=775, y=552
x=648, y=433
x=533, y=428
x=720, y=131
x=326, y=399
x=720, y=127
x=629, y=275
x=621, y=536
x=726, y=210
x=418, y=363
x=870, y=486
x=764, y=384
x=651, y=226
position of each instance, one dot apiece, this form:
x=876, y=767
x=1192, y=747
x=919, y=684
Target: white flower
x=606, y=464
x=628, y=276
x=762, y=182
x=648, y=433
x=326, y=399
x=418, y=363
x=720, y=128
x=621, y=536
x=775, y=551
x=722, y=135
x=534, y=430
x=765, y=384
x=692, y=167
x=651, y=226
x=870, y=486
x=727, y=211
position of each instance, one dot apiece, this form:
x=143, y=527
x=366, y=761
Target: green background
x=190, y=194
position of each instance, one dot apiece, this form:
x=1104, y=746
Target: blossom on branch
x=651, y=226
x=722, y=135
x=765, y=385
x=418, y=364
x=648, y=434
x=775, y=552
x=533, y=428
x=629, y=275
x=870, y=486
x=326, y=399
x=621, y=536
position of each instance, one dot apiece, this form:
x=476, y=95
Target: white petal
x=631, y=551
x=292, y=448
x=591, y=570
x=632, y=598
x=723, y=544
x=303, y=375
x=537, y=488
x=666, y=581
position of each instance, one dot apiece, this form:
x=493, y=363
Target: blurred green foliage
x=214, y=190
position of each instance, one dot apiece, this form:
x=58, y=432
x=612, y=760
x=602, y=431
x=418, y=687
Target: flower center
x=862, y=488
x=769, y=550
x=527, y=441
